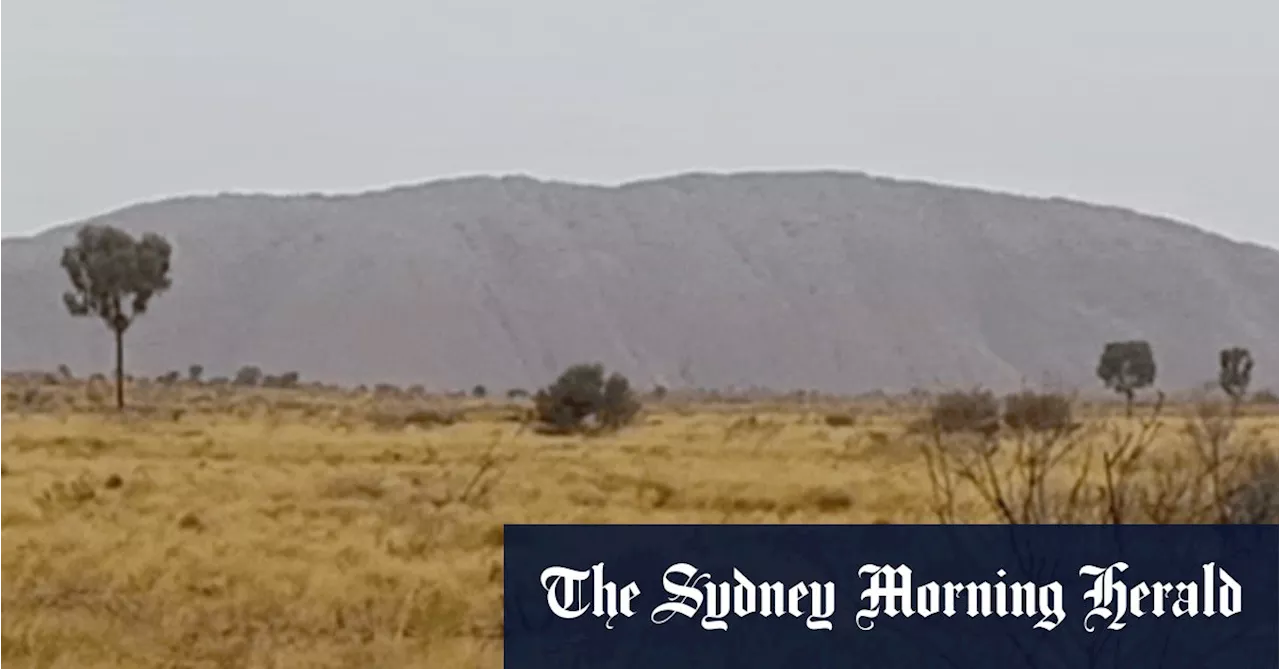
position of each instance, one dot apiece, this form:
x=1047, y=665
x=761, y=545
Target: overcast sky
x=1165, y=106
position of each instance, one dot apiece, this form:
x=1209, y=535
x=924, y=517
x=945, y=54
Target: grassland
x=214, y=527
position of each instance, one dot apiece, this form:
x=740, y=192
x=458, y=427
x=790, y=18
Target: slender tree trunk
x=119, y=370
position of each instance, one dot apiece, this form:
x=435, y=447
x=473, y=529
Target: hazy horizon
x=1165, y=108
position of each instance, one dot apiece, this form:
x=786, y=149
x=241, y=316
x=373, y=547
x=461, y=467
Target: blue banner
x=888, y=596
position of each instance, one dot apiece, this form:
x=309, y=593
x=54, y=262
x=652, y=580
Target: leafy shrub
x=517, y=393
x=582, y=392
x=249, y=375
x=380, y=390
x=839, y=420
x=479, y=391
x=1037, y=412
x=966, y=411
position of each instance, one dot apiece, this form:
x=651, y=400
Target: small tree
x=1235, y=369
x=479, y=391
x=1125, y=367
x=113, y=276
x=194, y=373
x=618, y=405
x=583, y=392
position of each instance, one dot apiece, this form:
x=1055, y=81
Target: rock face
x=831, y=281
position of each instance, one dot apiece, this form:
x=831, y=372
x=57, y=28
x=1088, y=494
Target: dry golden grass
x=221, y=528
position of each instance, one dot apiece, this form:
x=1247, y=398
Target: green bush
x=583, y=399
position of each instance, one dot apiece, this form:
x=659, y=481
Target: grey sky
x=1168, y=107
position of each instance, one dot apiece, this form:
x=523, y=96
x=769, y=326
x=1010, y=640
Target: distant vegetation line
x=114, y=277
